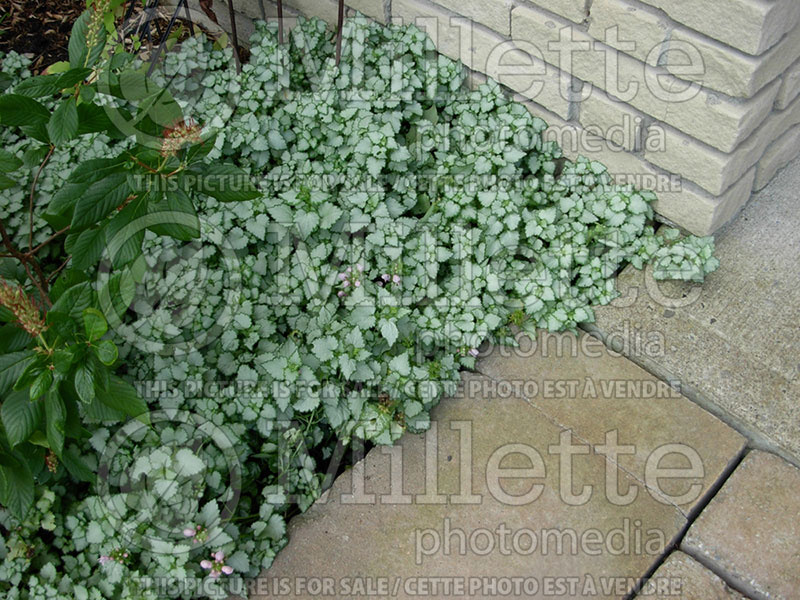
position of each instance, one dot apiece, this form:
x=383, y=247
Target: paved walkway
x=564, y=469
x=733, y=343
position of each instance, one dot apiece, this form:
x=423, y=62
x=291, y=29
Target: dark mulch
x=40, y=28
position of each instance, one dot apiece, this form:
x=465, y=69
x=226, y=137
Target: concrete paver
x=609, y=402
x=732, y=342
x=751, y=531
x=454, y=514
x=681, y=577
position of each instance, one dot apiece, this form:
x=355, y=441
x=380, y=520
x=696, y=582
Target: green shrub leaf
x=20, y=416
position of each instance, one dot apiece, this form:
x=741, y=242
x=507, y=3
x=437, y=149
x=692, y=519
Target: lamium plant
x=253, y=269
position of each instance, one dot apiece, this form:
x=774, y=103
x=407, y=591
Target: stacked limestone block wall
x=698, y=100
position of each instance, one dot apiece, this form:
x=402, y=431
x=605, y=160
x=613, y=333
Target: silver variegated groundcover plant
x=404, y=220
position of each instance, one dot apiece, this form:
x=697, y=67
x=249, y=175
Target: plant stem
x=44, y=343
x=59, y=269
x=27, y=262
x=33, y=192
x=47, y=241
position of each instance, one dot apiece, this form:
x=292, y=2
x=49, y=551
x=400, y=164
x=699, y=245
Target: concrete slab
x=681, y=577
x=750, y=531
x=454, y=520
x=734, y=342
x=609, y=401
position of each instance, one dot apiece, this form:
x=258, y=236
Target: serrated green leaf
x=36, y=87
x=8, y=162
x=63, y=123
x=123, y=397
x=17, y=487
x=100, y=199
x=88, y=248
x=21, y=111
x=84, y=384
x=40, y=385
x=56, y=415
x=176, y=216
x=76, y=466
x=6, y=182
x=107, y=352
x=20, y=416
x=227, y=183
x=400, y=364
x=11, y=367
x=94, y=324
x=78, y=51
x=389, y=332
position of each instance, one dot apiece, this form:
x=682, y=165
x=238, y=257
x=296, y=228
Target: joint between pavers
x=692, y=517
x=715, y=487
x=731, y=581
x=677, y=542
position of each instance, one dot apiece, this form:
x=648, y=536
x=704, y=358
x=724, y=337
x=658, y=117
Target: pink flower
x=396, y=279
x=357, y=284
x=360, y=268
x=386, y=277
x=119, y=555
x=346, y=284
x=216, y=567
x=474, y=352
x=341, y=294
x=198, y=534
x=342, y=276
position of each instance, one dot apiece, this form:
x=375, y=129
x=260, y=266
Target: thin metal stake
x=150, y=14
x=280, y=22
x=235, y=37
x=340, y=32
x=164, y=37
x=188, y=16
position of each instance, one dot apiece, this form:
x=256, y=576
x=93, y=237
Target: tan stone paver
x=616, y=402
x=751, y=529
x=407, y=545
x=681, y=577
x=732, y=341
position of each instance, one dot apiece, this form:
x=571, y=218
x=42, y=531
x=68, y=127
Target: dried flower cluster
x=28, y=315
x=182, y=134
